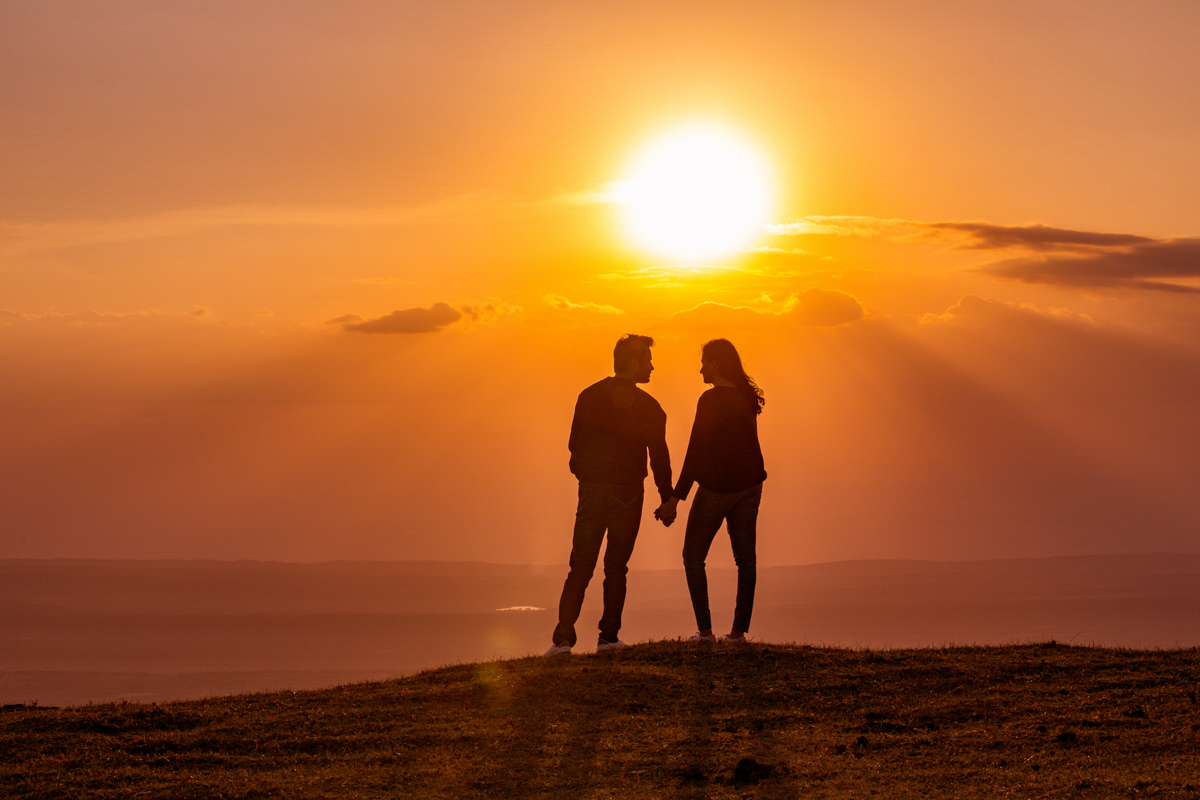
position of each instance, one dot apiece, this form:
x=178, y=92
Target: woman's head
x=722, y=353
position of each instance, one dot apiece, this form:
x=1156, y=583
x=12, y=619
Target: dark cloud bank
x=1064, y=257
x=1048, y=255
x=1153, y=265
x=985, y=236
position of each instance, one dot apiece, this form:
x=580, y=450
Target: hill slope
x=665, y=719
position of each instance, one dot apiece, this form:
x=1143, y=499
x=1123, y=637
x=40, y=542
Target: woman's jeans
x=740, y=511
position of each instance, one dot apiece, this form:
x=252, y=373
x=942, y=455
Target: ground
x=664, y=719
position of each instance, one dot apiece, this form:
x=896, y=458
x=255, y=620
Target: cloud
x=673, y=275
x=563, y=304
x=789, y=251
x=840, y=226
x=1041, y=238
x=719, y=316
x=1152, y=265
x=778, y=262
x=971, y=235
x=813, y=308
x=823, y=308
x=1056, y=256
x=344, y=319
x=426, y=320
x=408, y=320
x=486, y=312
x=972, y=308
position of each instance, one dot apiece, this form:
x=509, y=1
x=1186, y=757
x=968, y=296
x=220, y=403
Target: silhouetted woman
x=724, y=457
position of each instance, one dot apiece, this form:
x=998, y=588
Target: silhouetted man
x=615, y=424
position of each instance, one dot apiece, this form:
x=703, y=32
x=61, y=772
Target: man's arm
x=660, y=458
x=577, y=425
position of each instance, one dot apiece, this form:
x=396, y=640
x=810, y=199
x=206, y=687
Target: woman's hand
x=666, y=512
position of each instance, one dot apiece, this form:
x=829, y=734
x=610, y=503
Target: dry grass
x=665, y=719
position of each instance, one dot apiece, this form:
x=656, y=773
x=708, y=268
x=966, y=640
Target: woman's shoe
x=696, y=637
x=735, y=639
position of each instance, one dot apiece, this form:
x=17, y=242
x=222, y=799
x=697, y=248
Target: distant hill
x=74, y=631
x=667, y=719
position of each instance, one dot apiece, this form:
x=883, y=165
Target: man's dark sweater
x=723, y=454
x=615, y=424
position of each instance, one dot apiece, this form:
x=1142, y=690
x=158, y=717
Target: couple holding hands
x=616, y=424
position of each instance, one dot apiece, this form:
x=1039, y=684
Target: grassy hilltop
x=666, y=719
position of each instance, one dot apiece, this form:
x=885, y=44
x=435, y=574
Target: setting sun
x=696, y=192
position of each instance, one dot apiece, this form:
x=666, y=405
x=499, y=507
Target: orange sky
x=975, y=315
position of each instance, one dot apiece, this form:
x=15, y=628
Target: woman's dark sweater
x=723, y=454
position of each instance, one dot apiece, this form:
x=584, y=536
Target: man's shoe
x=558, y=649
x=736, y=639
x=696, y=637
x=606, y=645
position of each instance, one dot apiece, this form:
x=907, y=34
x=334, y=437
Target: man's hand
x=666, y=512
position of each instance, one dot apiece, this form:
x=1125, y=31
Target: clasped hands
x=666, y=512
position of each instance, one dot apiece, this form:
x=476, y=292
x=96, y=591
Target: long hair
x=726, y=355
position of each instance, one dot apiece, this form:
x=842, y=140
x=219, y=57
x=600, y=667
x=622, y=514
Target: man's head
x=631, y=358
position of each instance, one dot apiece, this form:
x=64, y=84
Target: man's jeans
x=740, y=511
x=602, y=506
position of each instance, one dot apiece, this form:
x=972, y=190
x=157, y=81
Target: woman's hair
x=726, y=355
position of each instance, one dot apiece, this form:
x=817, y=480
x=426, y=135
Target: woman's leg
x=743, y=533
x=704, y=520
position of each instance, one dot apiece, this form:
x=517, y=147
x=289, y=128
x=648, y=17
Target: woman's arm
x=698, y=447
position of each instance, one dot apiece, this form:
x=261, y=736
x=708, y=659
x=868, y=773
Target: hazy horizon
x=563, y=566
x=76, y=631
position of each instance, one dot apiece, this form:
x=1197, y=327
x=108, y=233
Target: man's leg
x=704, y=520
x=590, y=521
x=742, y=524
x=624, y=519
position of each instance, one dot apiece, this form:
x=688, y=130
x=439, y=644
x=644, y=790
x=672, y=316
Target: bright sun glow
x=697, y=192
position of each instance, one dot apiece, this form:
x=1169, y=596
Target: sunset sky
x=304, y=282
